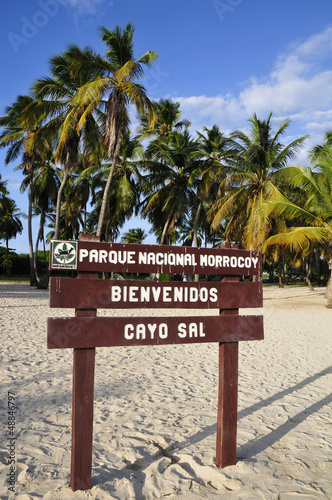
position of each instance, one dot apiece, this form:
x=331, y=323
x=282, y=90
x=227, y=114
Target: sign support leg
x=227, y=404
x=82, y=407
x=82, y=419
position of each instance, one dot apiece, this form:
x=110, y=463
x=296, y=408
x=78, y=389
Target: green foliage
x=20, y=264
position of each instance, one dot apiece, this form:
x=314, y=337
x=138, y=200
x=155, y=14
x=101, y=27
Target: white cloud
x=298, y=87
x=86, y=6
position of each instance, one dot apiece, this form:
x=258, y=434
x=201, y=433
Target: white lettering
x=82, y=254
x=182, y=332
x=142, y=256
x=151, y=258
x=193, y=296
x=247, y=262
x=233, y=261
x=145, y=294
x=112, y=257
x=132, y=294
x=152, y=329
x=93, y=256
x=179, y=259
x=156, y=293
x=203, y=294
x=103, y=256
x=163, y=331
x=211, y=260
x=131, y=259
x=254, y=261
x=115, y=293
x=187, y=259
x=140, y=331
x=171, y=259
x=240, y=262
x=226, y=261
x=166, y=291
x=213, y=295
x=178, y=294
x=203, y=260
x=159, y=259
x=193, y=330
x=218, y=261
x=129, y=332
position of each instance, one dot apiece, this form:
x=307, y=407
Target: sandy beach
x=155, y=409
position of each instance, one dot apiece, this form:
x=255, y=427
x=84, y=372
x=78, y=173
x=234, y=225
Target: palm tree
x=136, y=235
x=167, y=120
x=23, y=134
x=169, y=165
x=10, y=224
x=315, y=215
x=45, y=187
x=124, y=193
x=3, y=187
x=117, y=80
x=55, y=96
x=214, y=151
x=252, y=182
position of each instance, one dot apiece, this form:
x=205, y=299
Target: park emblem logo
x=64, y=255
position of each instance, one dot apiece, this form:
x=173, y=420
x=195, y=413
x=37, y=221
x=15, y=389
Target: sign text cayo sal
x=85, y=331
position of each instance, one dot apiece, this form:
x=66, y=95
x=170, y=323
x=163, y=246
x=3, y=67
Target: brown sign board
x=117, y=331
x=86, y=330
x=94, y=256
x=133, y=294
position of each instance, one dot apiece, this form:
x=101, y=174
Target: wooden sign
x=125, y=258
x=110, y=332
x=131, y=294
x=86, y=331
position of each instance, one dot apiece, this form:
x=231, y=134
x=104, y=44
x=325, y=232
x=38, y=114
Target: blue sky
x=223, y=60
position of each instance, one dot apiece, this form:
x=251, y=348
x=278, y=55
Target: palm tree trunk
x=58, y=204
x=195, y=244
x=106, y=191
x=280, y=269
x=39, y=238
x=7, y=256
x=328, y=294
x=33, y=279
x=308, y=269
x=164, y=233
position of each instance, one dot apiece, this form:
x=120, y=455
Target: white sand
x=155, y=409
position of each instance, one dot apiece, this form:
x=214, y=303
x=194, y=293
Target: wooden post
x=82, y=405
x=227, y=404
x=227, y=396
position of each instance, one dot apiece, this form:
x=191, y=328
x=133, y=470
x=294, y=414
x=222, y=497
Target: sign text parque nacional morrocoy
x=109, y=257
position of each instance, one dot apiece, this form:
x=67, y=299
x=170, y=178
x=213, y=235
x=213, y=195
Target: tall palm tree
x=10, y=224
x=214, y=151
x=169, y=165
x=315, y=216
x=252, y=182
x=55, y=96
x=45, y=187
x=117, y=81
x=23, y=135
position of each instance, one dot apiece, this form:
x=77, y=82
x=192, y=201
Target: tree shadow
x=257, y=445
